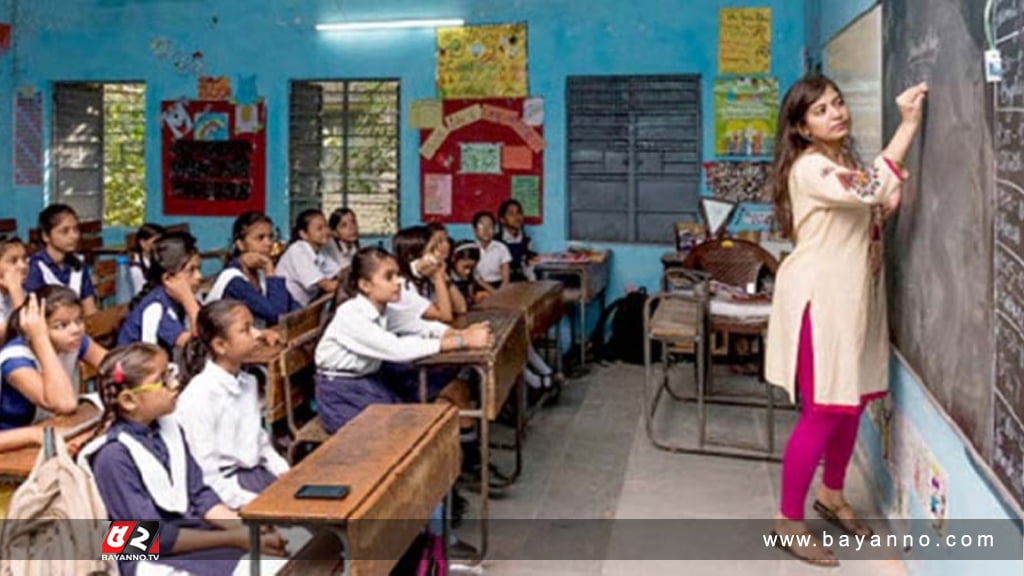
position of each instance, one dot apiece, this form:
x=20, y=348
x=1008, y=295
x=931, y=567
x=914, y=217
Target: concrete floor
x=597, y=498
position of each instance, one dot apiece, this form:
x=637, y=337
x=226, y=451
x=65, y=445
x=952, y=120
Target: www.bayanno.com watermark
x=585, y=539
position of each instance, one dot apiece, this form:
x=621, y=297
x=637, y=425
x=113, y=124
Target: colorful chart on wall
x=482, y=154
x=738, y=181
x=745, y=115
x=482, y=61
x=744, y=40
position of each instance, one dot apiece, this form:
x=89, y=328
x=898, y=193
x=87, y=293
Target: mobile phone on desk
x=322, y=492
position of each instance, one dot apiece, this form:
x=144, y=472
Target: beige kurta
x=836, y=267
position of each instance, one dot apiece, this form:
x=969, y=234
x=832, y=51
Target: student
x=461, y=265
x=493, y=270
x=219, y=409
x=250, y=276
x=366, y=332
x=144, y=470
x=56, y=263
x=39, y=363
x=13, y=270
x=161, y=313
x=827, y=336
x=425, y=290
x=301, y=265
x=512, y=234
x=142, y=253
x=343, y=243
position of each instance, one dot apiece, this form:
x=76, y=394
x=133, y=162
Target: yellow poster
x=744, y=40
x=482, y=61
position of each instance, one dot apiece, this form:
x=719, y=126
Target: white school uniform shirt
x=136, y=274
x=220, y=414
x=337, y=256
x=360, y=337
x=6, y=307
x=488, y=268
x=302, y=268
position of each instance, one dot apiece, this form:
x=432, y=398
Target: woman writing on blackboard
x=827, y=337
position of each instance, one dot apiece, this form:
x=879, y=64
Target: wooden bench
x=399, y=462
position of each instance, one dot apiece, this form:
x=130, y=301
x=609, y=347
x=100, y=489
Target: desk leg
x=446, y=508
x=485, y=461
x=346, y=550
x=423, y=385
x=583, y=329
x=254, y=549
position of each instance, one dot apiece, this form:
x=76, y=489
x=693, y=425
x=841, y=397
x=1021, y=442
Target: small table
x=398, y=460
x=591, y=281
x=498, y=369
x=16, y=465
x=540, y=303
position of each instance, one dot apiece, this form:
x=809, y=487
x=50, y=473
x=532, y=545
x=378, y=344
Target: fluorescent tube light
x=388, y=24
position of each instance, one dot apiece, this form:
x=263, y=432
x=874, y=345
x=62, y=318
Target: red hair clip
x=118, y=374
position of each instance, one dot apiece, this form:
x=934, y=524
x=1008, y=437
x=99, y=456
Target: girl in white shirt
x=302, y=265
x=494, y=269
x=142, y=254
x=343, y=243
x=367, y=332
x=219, y=408
x=422, y=256
x=13, y=271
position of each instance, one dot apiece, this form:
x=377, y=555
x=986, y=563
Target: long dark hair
x=49, y=218
x=211, y=322
x=242, y=225
x=409, y=245
x=123, y=368
x=302, y=222
x=790, y=143
x=171, y=254
x=147, y=231
x=55, y=295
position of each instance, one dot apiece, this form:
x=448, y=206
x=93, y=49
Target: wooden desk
x=540, y=302
x=399, y=462
x=17, y=464
x=498, y=370
x=591, y=282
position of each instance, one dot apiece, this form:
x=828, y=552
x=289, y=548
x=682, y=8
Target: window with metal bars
x=343, y=150
x=98, y=150
x=634, y=156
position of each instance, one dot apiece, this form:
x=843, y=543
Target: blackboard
x=940, y=254
x=1008, y=392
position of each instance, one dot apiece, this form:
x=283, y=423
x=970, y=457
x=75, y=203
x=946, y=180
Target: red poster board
x=214, y=158
x=480, y=130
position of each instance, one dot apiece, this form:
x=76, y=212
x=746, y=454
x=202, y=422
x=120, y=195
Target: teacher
x=827, y=337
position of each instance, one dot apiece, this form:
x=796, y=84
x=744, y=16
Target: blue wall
x=825, y=18
x=969, y=493
x=274, y=39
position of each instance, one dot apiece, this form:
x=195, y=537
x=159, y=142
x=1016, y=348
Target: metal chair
x=684, y=322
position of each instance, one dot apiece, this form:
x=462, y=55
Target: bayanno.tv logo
x=127, y=541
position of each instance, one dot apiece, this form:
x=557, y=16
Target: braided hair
x=121, y=369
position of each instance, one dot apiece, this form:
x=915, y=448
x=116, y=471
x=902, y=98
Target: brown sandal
x=851, y=526
x=828, y=561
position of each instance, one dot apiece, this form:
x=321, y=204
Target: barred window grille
x=634, y=147
x=343, y=150
x=98, y=150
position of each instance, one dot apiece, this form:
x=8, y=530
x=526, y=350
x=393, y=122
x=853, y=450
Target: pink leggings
x=820, y=431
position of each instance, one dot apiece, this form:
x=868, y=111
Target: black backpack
x=626, y=342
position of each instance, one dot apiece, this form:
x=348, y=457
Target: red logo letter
x=117, y=536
